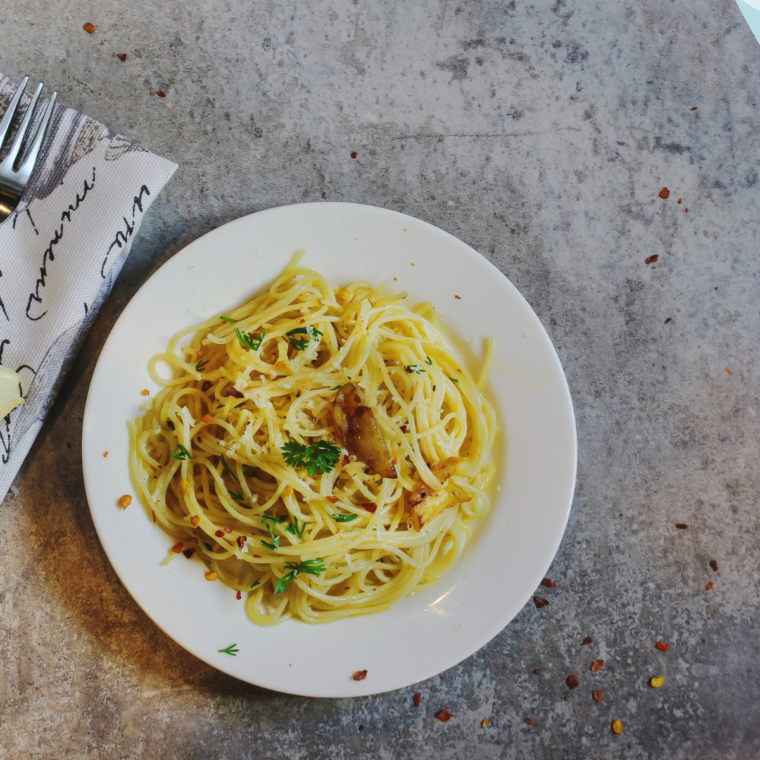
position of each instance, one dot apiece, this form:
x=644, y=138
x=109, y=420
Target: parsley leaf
x=310, y=567
x=200, y=366
x=318, y=458
x=229, y=469
x=249, y=339
x=343, y=518
x=300, y=344
x=296, y=528
x=181, y=453
x=228, y=319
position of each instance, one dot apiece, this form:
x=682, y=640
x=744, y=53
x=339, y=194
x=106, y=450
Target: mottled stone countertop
x=541, y=133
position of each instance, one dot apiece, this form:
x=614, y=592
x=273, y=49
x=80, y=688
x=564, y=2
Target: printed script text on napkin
x=60, y=253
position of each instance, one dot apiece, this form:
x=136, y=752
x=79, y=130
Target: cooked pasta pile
x=321, y=449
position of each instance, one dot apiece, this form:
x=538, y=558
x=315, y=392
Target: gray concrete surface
x=541, y=134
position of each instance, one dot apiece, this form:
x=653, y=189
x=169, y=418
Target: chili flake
x=444, y=716
x=219, y=533
x=664, y=193
x=416, y=699
x=652, y=259
x=125, y=501
x=540, y=602
x=537, y=671
x=207, y=418
x=709, y=586
x=160, y=93
x=121, y=56
x=89, y=28
x=549, y=583
x=656, y=681
x=178, y=547
x=617, y=727
x=457, y=297
x=597, y=693
x=238, y=596
x=573, y=681
x=529, y=721
x=332, y=499
x=586, y=641
x=212, y=575
x=354, y=154
x=189, y=552
x=682, y=526
x=669, y=319
x=597, y=666
x=360, y=675
x=145, y=392
x=662, y=646
x=714, y=565
x=484, y=722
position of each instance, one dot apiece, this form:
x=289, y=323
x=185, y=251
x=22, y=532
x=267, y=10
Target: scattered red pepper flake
x=713, y=614
x=360, y=675
x=729, y=371
x=332, y=499
x=529, y=721
x=669, y=319
x=233, y=391
x=189, y=552
x=597, y=693
x=537, y=671
x=597, y=666
x=588, y=640
x=484, y=722
x=89, y=28
x=549, y=583
x=680, y=201
x=686, y=211
x=709, y=586
x=693, y=108
x=444, y=716
x=370, y=507
x=206, y=385
x=145, y=392
x=652, y=259
x=573, y=682
x=125, y=501
x=682, y=526
x=617, y=726
x=540, y=602
x=121, y=56
x=416, y=699
x=354, y=154
x=219, y=533
x=160, y=93
x=346, y=461
x=457, y=297
x=714, y=565
x=239, y=595
x=178, y=547
x=662, y=646
x=169, y=502
x=664, y=193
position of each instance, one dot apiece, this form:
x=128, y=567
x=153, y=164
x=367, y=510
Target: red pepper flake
x=169, y=502
x=457, y=297
x=484, y=722
x=160, y=93
x=588, y=640
x=714, y=565
x=680, y=200
x=597, y=693
x=727, y=370
x=219, y=533
x=709, y=586
x=89, y=28
x=354, y=154
x=713, y=614
x=189, y=552
x=234, y=392
x=669, y=319
x=693, y=108
x=121, y=56
x=238, y=596
x=662, y=646
x=360, y=675
x=416, y=699
x=332, y=499
x=682, y=526
x=178, y=547
x=573, y=682
x=549, y=583
x=686, y=211
x=597, y=666
x=664, y=193
x=145, y=392
x=537, y=671
x=206, y=385
x=540, y=601
x=154, y=515
x=529, y=721
x=370, y=507
x=444, y=716
x=652, y=259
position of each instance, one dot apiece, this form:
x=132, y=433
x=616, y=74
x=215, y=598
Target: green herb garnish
x=228, y=319
x=274, y=545
x=310, y=566
x=249, y=471
x=181, y=453
x=414, y=368
x=318, y=458
x=249, y=339
x=231, y=649
x=300, y=343
x=428, y=361
x=453, y=379
x=296, y=528
x=255, y=583
x=229, y=469
x=200, y=366
x=337, y=387
x=237, y=496
x=343, y=518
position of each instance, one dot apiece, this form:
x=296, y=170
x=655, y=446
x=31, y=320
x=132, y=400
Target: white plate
x=509, y=552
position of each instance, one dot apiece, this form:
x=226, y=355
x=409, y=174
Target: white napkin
x=60, y=253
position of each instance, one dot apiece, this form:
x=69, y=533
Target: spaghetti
x=321, y=450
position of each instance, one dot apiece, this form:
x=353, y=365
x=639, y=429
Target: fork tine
x=26, y=169
x=12, y=154
x=11, y=112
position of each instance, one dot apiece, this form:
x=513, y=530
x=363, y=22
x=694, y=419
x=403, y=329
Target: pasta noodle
x=237, y=460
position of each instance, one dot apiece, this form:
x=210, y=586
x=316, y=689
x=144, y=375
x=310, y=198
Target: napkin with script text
x=60, y=253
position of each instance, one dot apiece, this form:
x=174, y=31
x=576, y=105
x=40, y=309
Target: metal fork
x=13, y=178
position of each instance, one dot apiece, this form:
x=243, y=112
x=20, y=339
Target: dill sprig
x=181, y=453
x=310, y=567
